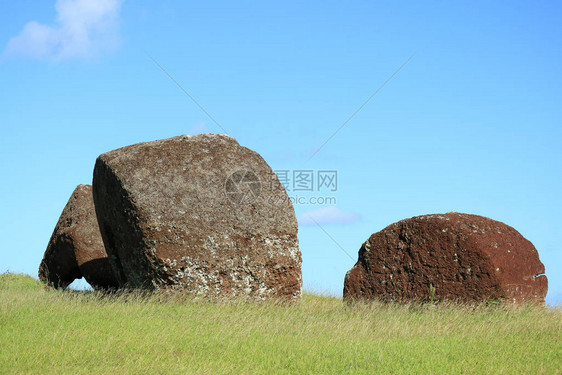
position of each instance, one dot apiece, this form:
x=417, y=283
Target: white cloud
x=84, y=29
x=328, y=215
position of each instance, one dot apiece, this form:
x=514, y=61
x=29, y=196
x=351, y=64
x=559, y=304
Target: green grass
x=53, y=332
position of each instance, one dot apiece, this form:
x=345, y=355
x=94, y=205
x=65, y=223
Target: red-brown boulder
x=76, y=249
x=453, y=256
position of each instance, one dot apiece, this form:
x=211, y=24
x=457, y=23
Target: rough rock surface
x=76, y=249
x=200, y=214
x=451, y=256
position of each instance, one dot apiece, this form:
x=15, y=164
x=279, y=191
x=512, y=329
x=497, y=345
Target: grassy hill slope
x=52, y=332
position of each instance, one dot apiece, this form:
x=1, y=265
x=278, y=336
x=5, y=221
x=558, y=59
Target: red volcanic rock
x=453, y=256
x=76, y=249
x=200, y=214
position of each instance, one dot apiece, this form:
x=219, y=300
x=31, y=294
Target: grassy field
x=53, y=332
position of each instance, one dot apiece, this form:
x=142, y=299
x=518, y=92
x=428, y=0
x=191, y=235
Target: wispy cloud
x=198, y=128
x=328, y=215
x=84, y=28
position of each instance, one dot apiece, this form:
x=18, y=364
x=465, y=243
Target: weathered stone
x=76, y=249
x=200, y=214
x=453, y=256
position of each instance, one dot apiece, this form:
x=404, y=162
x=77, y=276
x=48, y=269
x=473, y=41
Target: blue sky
x=472, y=123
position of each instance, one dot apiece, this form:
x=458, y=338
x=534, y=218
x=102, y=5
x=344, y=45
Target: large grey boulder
x=201, y=214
